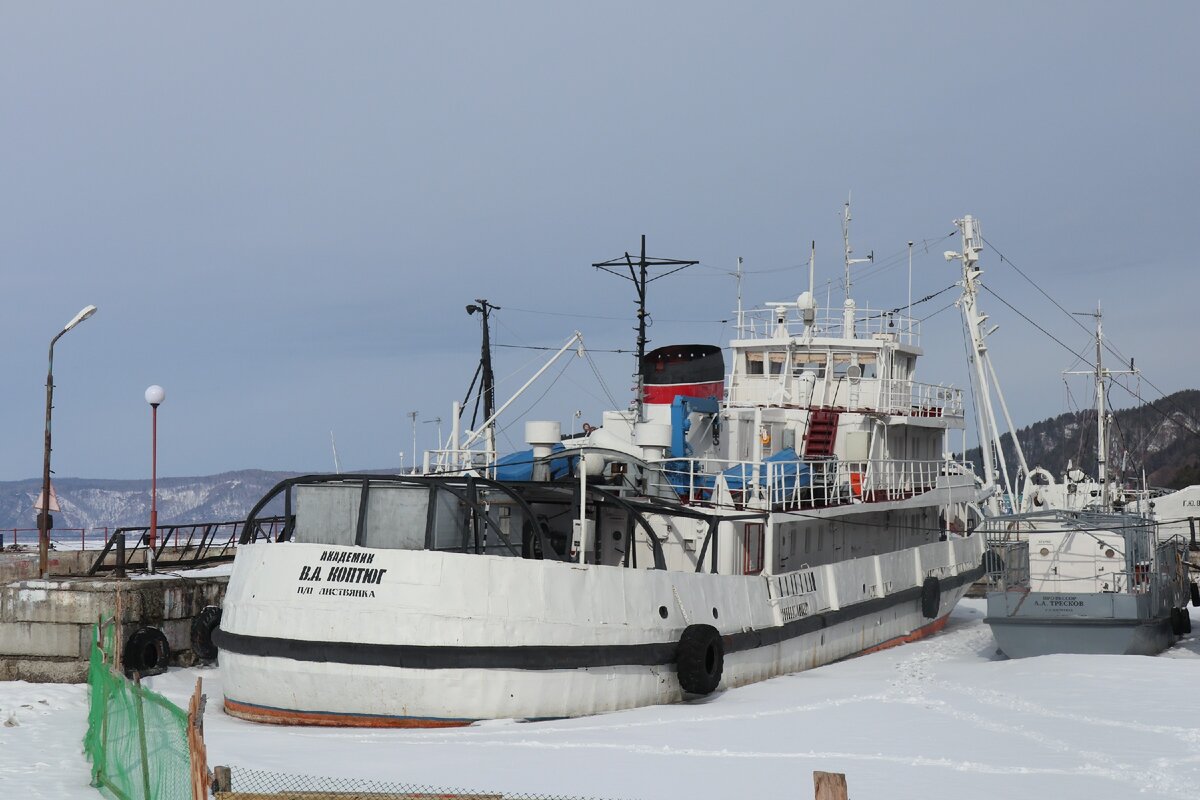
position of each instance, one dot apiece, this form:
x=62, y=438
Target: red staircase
x=822, y=430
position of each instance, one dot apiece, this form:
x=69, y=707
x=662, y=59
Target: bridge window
x=813, y=363
x=755, y=363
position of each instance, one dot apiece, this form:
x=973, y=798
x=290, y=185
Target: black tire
x=1196, y=595
x=1187, y=620
x=203, y=625
x=993, y=564
x=1177, y=621
x=146, y=652
x=700, y=659
x=931, y=597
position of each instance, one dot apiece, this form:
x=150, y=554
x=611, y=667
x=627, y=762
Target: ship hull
x=1027, y=624
x=429, y=639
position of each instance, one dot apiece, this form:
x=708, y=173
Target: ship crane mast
x=848, y=249
x=983, y=374
x=1101, y=374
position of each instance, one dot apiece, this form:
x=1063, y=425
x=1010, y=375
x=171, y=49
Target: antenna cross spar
x=849, y=250
x=639, y=274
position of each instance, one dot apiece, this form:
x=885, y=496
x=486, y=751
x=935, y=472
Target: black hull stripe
x=546, y=657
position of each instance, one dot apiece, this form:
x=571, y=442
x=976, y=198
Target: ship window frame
x=754, y=547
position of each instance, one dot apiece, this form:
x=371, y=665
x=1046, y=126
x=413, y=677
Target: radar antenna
x=639, y=275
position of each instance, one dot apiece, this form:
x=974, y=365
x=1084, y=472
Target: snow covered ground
x=944, y=717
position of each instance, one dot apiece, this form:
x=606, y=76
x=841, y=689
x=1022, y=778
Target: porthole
x=662, y=611
x=1045, y=551
x=1109, y=553
x=616, y=536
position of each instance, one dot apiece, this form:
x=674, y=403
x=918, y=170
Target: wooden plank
x=197, y=753
x=353, y=796
x=830, y=786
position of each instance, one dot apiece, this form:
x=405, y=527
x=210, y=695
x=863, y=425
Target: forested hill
x=1162, y=437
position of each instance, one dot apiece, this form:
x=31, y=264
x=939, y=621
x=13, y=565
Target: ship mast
x=848, y=249
x=982, y=369
x=639, y=272
x=487, y=388
x=1102, y=375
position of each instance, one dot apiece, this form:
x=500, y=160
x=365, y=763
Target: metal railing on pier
x=185, y=546
x=87, y=538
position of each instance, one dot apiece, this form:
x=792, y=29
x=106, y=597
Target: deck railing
x=867, y=323
x=886, y=395
x=808, y=483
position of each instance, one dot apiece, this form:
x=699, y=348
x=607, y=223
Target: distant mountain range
x=1162, y=437
x=91, y=503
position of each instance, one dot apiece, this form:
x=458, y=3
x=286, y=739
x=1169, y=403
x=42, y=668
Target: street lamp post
x=44, y=522
x=154, y=396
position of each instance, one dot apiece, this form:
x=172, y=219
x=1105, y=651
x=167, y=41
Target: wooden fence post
x=830, y=786
x=222, y=780
x=198, y=755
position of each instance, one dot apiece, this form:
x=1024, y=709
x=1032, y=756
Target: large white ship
x=732, y=525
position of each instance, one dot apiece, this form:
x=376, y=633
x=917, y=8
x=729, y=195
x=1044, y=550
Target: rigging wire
x=539, y=347
x=532, y=405
x=1047, y=333
x=1108, y=345
x=940, y=310
x=599, y=378
x=598, y=316
x=924, y=299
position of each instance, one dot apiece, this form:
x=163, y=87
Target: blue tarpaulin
x=786, y=475
x=519, y=466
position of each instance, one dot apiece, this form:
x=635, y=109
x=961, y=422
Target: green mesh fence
x=136, y=739
x=254, y=784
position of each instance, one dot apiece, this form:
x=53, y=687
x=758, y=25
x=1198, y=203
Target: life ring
x=146, y=652
x=931, y=597
x=203, y=625
x=700, y=659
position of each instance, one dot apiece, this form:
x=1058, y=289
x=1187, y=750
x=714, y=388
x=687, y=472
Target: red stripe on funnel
x=666, y=393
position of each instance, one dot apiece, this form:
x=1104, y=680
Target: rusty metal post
x=154, y=396
x=43, y=518
x=119, y=572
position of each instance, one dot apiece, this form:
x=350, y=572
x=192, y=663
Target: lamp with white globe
x=154, y=396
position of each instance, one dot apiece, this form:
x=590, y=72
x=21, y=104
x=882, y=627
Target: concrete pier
x=46, y=626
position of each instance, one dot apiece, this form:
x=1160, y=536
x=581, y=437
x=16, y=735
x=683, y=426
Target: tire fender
x=203, y=625
x=931, y=597
x=1196, y=595
x=700, y=659
x=146, y=652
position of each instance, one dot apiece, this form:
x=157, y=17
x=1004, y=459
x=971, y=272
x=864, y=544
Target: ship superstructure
x=733, y=524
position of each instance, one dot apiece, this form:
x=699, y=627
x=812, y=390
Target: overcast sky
x=281, y=209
